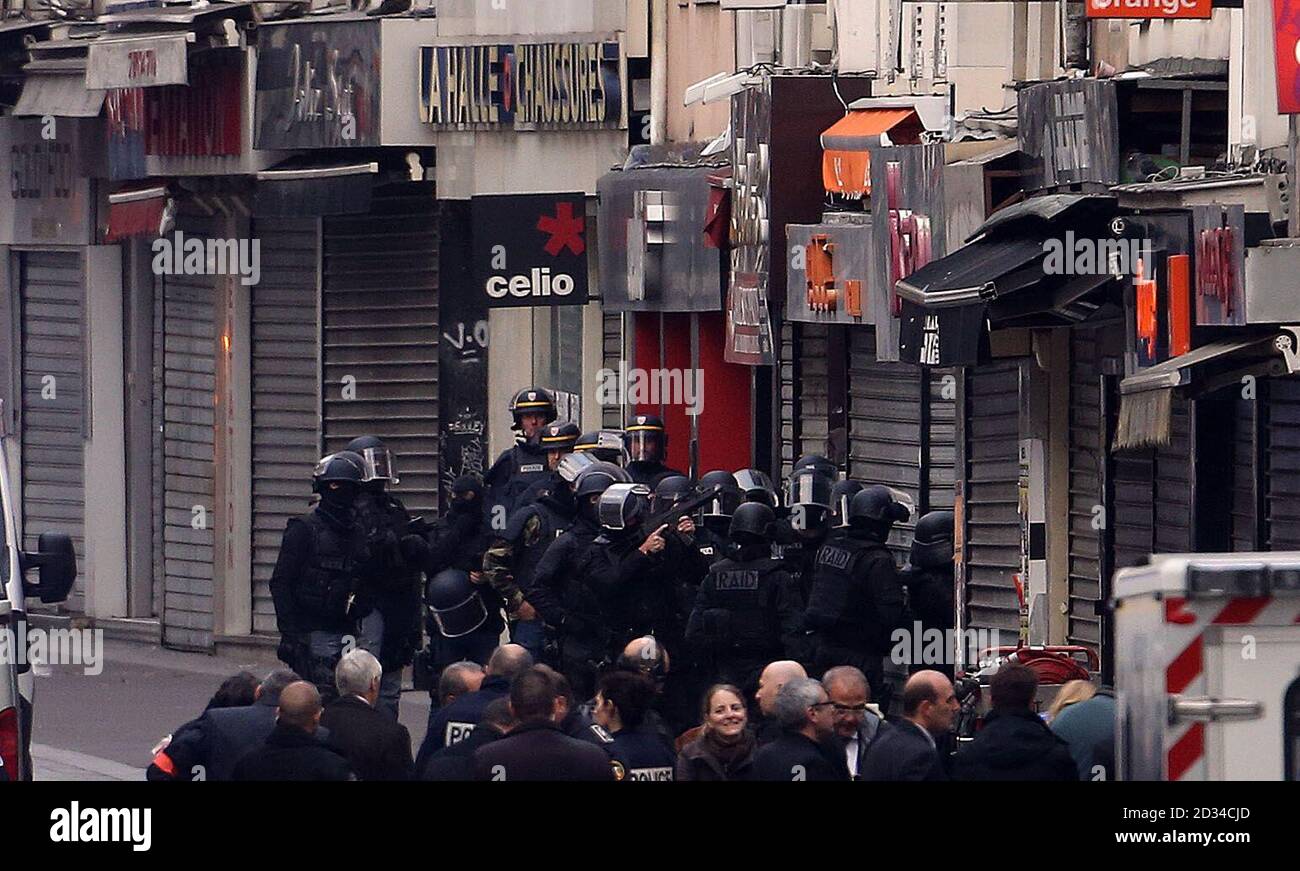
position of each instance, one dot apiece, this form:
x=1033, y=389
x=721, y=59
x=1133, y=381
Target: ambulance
x=1207, y=667
x=55, y=567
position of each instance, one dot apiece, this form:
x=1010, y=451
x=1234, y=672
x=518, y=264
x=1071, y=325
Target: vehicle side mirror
x=57, y=561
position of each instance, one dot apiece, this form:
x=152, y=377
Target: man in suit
x=907, y=751
x=804, y=751
x=857, y=725
x=455, y=762
x=536, y=749
x=376, y=745
x=293, y=751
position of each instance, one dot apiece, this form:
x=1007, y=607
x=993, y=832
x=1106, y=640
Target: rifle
x=671, y=516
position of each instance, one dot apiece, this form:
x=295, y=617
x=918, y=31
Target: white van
x=56, y=563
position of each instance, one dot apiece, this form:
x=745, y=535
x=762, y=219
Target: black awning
x=307, y=191
x=1146, y=398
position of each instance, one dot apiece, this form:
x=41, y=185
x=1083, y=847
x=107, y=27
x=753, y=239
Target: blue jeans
x=371, y=640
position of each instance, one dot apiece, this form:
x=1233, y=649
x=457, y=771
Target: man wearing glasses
x=856, y=723
x=805, y=750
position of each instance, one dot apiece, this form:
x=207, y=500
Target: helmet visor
x=379, y=465
x=751, y=481
x=645, y=446
x=621, y=505
x=572, y=465
x=807, y=487
x=461, y=618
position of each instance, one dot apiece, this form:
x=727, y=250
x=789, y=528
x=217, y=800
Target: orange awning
x=846, y=164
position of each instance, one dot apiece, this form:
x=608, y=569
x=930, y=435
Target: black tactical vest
x=329, y=581
x=738, y=600
x=837, y=598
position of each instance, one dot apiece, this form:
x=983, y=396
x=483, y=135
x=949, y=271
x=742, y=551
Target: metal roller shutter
x=1244, y=504
x=789, y=422
x=1134, y=507
x=992, y=509
x=380, y=334
x=189, y=487
x=611, y=414
x=1173, y=485
x=1086, y=476
x=1284, y=464
x=53, y=397
x=286, y=392
x=811, y=399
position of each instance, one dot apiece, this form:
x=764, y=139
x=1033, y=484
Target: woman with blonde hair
x=1070, y=693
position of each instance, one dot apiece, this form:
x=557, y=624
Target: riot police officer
x=512, y=559
x=755, y=486
x=805, y=524
x=466, y=617
x=715, y=517
x=316, y=585
x=929, y=578
x=520, y=466
x=841, y=496
x=605, y=445
x=576, y=635
x=557, y=440
x=856, y=600
x=392, y=630
x=748, y=612
x=647, y=450
x=817, y=463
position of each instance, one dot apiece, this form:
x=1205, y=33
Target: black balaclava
x=467, y=495
x=337, y=499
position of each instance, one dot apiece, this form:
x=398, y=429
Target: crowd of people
x=644, y=611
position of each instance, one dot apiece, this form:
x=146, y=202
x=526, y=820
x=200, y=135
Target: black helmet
x=751, y=523
x=841, y=496
x=560, y=436
x=598, y=477
x=876, y=504
x=646, y=439
x=808, y=498
x=819, y=463
x=623, y=506
x=533, y=400
x=670, y=490
x=605, y=445
x=344, y=467
x=756, y=487
x=932, y=540
x=716, y=515
x=455, y=603
x=574, y=464
x=378, y=459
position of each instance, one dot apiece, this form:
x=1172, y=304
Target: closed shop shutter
x=1245, y=456
x=1284, y=464
x=1173, y=485
x=286, y=392
x=811, y=390
x=188, y=481
x=1087, y=459
x=380, y=334
x=1134, y=507
x=53, y=403
x=789, y=425
x=611, y=413
x=992, y=509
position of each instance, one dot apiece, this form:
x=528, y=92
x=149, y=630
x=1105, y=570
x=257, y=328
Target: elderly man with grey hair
x=376, y=745
x=805, y=750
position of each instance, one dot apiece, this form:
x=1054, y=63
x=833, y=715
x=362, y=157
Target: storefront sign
x=1068, y=133
x=137, y=63
x=1149, y=8
x=749, y=328
x=1286, y=55
x=530, y=250
x=46, y=198
x=525, y=86
x=1219, y=238
x=829, y=272
x=318, y=85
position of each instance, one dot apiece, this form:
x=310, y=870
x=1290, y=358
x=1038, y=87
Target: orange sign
x=1149, y=8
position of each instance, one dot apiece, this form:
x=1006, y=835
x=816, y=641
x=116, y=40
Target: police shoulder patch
x=619, y=771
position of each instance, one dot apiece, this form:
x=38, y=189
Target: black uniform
x=292, y=754
x=932, y=603
x=538, y=750
x=649, y=472
x=515, y=471
x=796, y=757
x=640, y=754
x=458, y=541
x=747, y=613
x=317, y=588
x=577, y=637
x=395, y=582
x=855, y=604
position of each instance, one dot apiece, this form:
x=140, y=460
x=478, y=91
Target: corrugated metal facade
x=1087, y=502
x=53, y=424
x=286, y=391
x=1283, y=493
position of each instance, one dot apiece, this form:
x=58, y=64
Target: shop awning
x=306, y=191
x=135, y=212
x=846, y=160
x=1146, y=399
x=139, y=61
x=59, y=94
x=1002, y=279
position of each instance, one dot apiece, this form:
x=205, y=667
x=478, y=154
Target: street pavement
x=102, y=727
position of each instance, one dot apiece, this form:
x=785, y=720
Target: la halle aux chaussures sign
x=530, y=250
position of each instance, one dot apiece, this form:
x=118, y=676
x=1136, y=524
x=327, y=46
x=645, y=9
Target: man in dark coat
x=1015, y=743
x=536, y=749
x=456, y=721
x=293, y=751
x=905, y=749
x=455, y=762
x=804, y=751
x=377, y=746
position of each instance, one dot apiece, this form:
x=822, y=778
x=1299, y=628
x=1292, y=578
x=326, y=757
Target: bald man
x=774, y=676
x=292, y=751
x=910, y=750
x=454, y=721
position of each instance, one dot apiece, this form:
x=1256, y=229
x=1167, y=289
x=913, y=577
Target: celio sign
x=571, y=85
x=530, y=249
